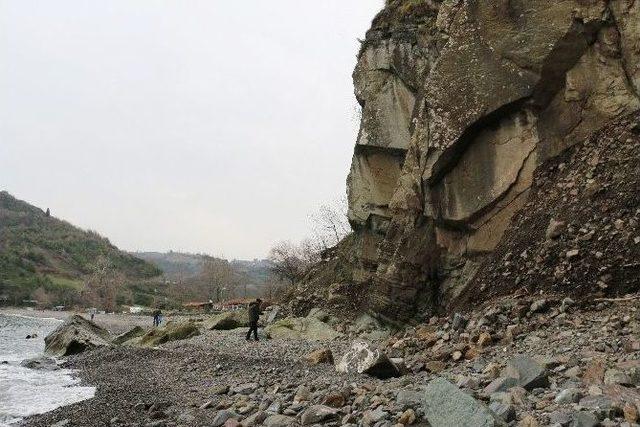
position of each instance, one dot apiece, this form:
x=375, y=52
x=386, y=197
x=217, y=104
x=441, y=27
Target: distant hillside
x=40, y=251
x=174, y=265
x=249, y=276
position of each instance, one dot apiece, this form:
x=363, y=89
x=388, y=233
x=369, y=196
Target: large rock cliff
x=461, y=102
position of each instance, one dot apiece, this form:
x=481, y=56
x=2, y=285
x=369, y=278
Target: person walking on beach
x=254, y=315
x=156, y=318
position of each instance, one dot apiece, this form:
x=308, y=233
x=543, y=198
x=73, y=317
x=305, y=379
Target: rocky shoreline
x=519, y=361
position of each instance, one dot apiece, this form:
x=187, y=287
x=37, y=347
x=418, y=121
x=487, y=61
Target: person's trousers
x=253, y=327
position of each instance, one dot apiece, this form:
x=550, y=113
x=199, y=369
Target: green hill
x=40, y=252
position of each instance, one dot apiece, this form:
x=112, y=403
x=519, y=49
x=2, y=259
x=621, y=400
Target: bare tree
x=101, y=287
x=220, y=279
x=330, y=223
x=289, y=261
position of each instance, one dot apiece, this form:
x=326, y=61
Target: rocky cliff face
x=462, y=101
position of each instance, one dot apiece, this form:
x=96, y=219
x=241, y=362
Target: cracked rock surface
x=462, y=102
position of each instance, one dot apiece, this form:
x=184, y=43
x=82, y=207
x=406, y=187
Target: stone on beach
x=363, y=358
x=445, y=405
x=527, y=371
x=135, y=332
x=173, y=331
x=75, y=335
x=228, y=320
x=308, y=328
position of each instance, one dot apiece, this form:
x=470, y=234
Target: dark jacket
x=254, y=312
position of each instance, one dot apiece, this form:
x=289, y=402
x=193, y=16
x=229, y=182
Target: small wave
x=22, y=316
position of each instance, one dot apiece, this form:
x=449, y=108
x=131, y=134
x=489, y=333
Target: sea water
x=25, y=391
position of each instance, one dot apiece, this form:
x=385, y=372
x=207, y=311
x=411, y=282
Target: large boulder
x=308, y=328
x=363, y=358
x=41, y=363
x=173, y=331
x=134, y=332
x=228, y=320
x=75, y=335
x=528, y=372
x=445, y=405
x=318, y=414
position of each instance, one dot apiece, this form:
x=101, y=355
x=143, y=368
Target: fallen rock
x=301, y=328
x=409, y=399
x=435, y=366
x=245, y=388
x=555, y=229
x=302, y=394
x=75, y=335
x=220, y=389
x=222, y=416
x=527, y=371
x=528, y=421
x=594, y=372
x=255, y=419
x=42, y=362
x=583, y=419
x=568, y=395
x=372, y=417
x=484, y=339
x=615, y=376
x=445, y=405
x=408, y=417
x=322, y=355
x=173, y=331
x=500, y=384
x=318, y=414
x=279, y=421
x=538, y=306
x=228, y=320
x=334, y=400
x=505, y=411
x=459, y=322
x=363, y=358
x=135, y=332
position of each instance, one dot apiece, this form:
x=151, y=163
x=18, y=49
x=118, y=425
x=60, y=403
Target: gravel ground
x=183, y=376
x=589, y=356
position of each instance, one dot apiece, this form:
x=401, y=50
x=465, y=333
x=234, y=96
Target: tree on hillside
x=42, y=296
x=101, y=287
x=218, y=278
x=291, y=262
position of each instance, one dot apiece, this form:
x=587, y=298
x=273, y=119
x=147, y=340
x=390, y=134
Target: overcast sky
x=204, y=126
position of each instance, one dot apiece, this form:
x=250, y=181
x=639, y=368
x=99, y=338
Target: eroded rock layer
x=461, y=101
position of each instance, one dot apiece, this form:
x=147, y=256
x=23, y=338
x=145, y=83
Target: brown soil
x=594, y=188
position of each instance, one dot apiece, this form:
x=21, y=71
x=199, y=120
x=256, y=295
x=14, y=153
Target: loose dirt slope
x=593, y=191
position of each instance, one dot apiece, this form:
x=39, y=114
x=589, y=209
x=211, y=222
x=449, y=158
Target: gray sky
x=206, y=126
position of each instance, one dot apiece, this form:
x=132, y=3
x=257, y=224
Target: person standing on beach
x=254, y=315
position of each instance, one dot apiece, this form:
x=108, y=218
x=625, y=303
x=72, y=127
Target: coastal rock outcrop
x=172, y=331
x=75, y=335
x=131, y=334
x=228, y=320
x=461, y=102
x=308, y=328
